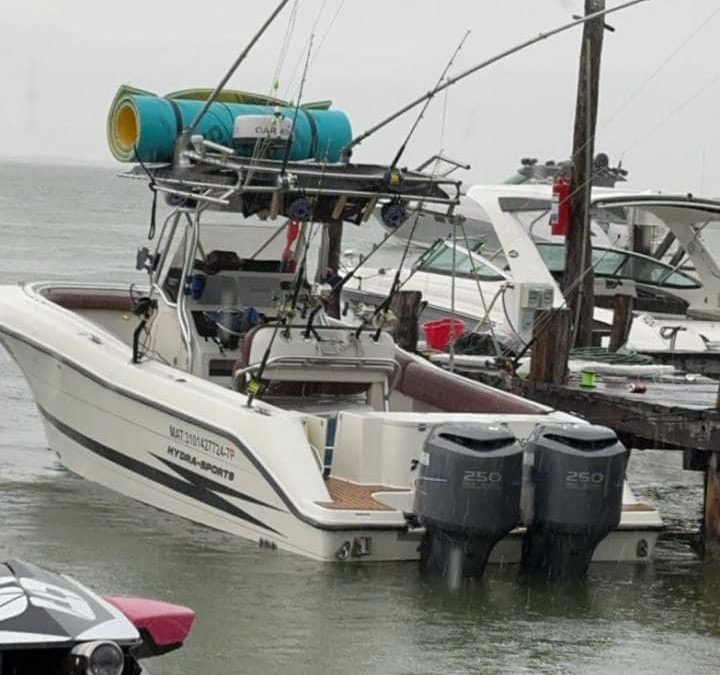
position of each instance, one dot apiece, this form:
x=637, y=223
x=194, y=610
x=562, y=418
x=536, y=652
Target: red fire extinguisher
x=560, y=209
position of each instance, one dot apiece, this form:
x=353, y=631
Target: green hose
x=602, y=355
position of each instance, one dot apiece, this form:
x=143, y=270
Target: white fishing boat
x=151, y=394
x=222, y=391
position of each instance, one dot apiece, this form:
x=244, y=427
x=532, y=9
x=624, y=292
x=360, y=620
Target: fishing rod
x=395, y=286
x=413, y=129
x=255, y=387
x=336, y=290
x=347, y=151
x=187, y=133
x=289, y=143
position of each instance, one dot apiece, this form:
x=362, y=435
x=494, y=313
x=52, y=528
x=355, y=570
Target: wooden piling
x=551, y=344
x=406, y=305
x=711, y=522
x=622, y=321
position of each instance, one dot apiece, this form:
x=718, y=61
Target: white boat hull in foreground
x=190, y=447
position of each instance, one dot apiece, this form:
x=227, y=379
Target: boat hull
x=191, y=448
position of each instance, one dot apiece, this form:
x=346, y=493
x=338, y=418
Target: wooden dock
x=707, y=363
x=666, y=415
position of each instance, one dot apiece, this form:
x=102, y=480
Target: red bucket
x=439, y=333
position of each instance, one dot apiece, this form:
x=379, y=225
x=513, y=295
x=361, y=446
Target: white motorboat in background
x=675, y=306
x=425, y=226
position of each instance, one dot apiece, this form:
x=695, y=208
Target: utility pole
x=578, y=280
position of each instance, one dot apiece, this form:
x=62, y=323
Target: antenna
x=454, y=80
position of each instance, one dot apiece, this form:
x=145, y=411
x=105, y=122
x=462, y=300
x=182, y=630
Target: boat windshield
x=708, y=233
x=616, y=264
x=441, y=261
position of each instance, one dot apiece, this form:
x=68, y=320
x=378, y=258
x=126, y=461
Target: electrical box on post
x=536, y=296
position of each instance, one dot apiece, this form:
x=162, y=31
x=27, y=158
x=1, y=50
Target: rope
x=298, y=62
x=284, y=48
x=672, y=114
x=486, y=319
x=328, y=29
x=657, y=71
x=637, y=91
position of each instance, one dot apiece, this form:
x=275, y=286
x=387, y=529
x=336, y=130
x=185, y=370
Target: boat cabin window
x=440, y=261
x=617, y=264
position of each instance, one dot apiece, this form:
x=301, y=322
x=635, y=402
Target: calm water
x=261, y=612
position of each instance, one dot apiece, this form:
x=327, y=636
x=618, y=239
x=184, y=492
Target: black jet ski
x=52, y=625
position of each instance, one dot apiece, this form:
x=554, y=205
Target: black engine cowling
x=578, y=477
x=467, y=495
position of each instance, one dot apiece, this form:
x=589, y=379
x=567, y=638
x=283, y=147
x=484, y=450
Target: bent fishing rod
x=423, y=110
x=347, y=151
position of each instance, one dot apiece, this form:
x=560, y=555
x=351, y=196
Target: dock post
x=622, y=321
x=407, y=305
x=711, y=523
x=551, y=346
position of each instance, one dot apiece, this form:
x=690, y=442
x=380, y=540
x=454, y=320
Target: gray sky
x=61, y=63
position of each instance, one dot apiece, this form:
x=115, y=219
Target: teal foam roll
x=318, y=134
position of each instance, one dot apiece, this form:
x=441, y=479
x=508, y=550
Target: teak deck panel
x=637, y=507
x=347, y=496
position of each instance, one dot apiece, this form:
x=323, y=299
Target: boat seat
x=219, y=261
x=448, y=392
x=228, y=261
x=335, y=365
x=78, y=300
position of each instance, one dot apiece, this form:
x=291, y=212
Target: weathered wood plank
x=707, y=363
x=406, y=306
x=551, y=347
x=622, y=321
x=669, y=416
x=712, y=507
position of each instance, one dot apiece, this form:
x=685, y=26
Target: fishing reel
x=146, y=261
x=386, y=320
x=393, y=214
x=299, y=210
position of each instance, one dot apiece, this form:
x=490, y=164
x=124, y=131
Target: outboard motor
x=578, y=475
x=467, y=495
